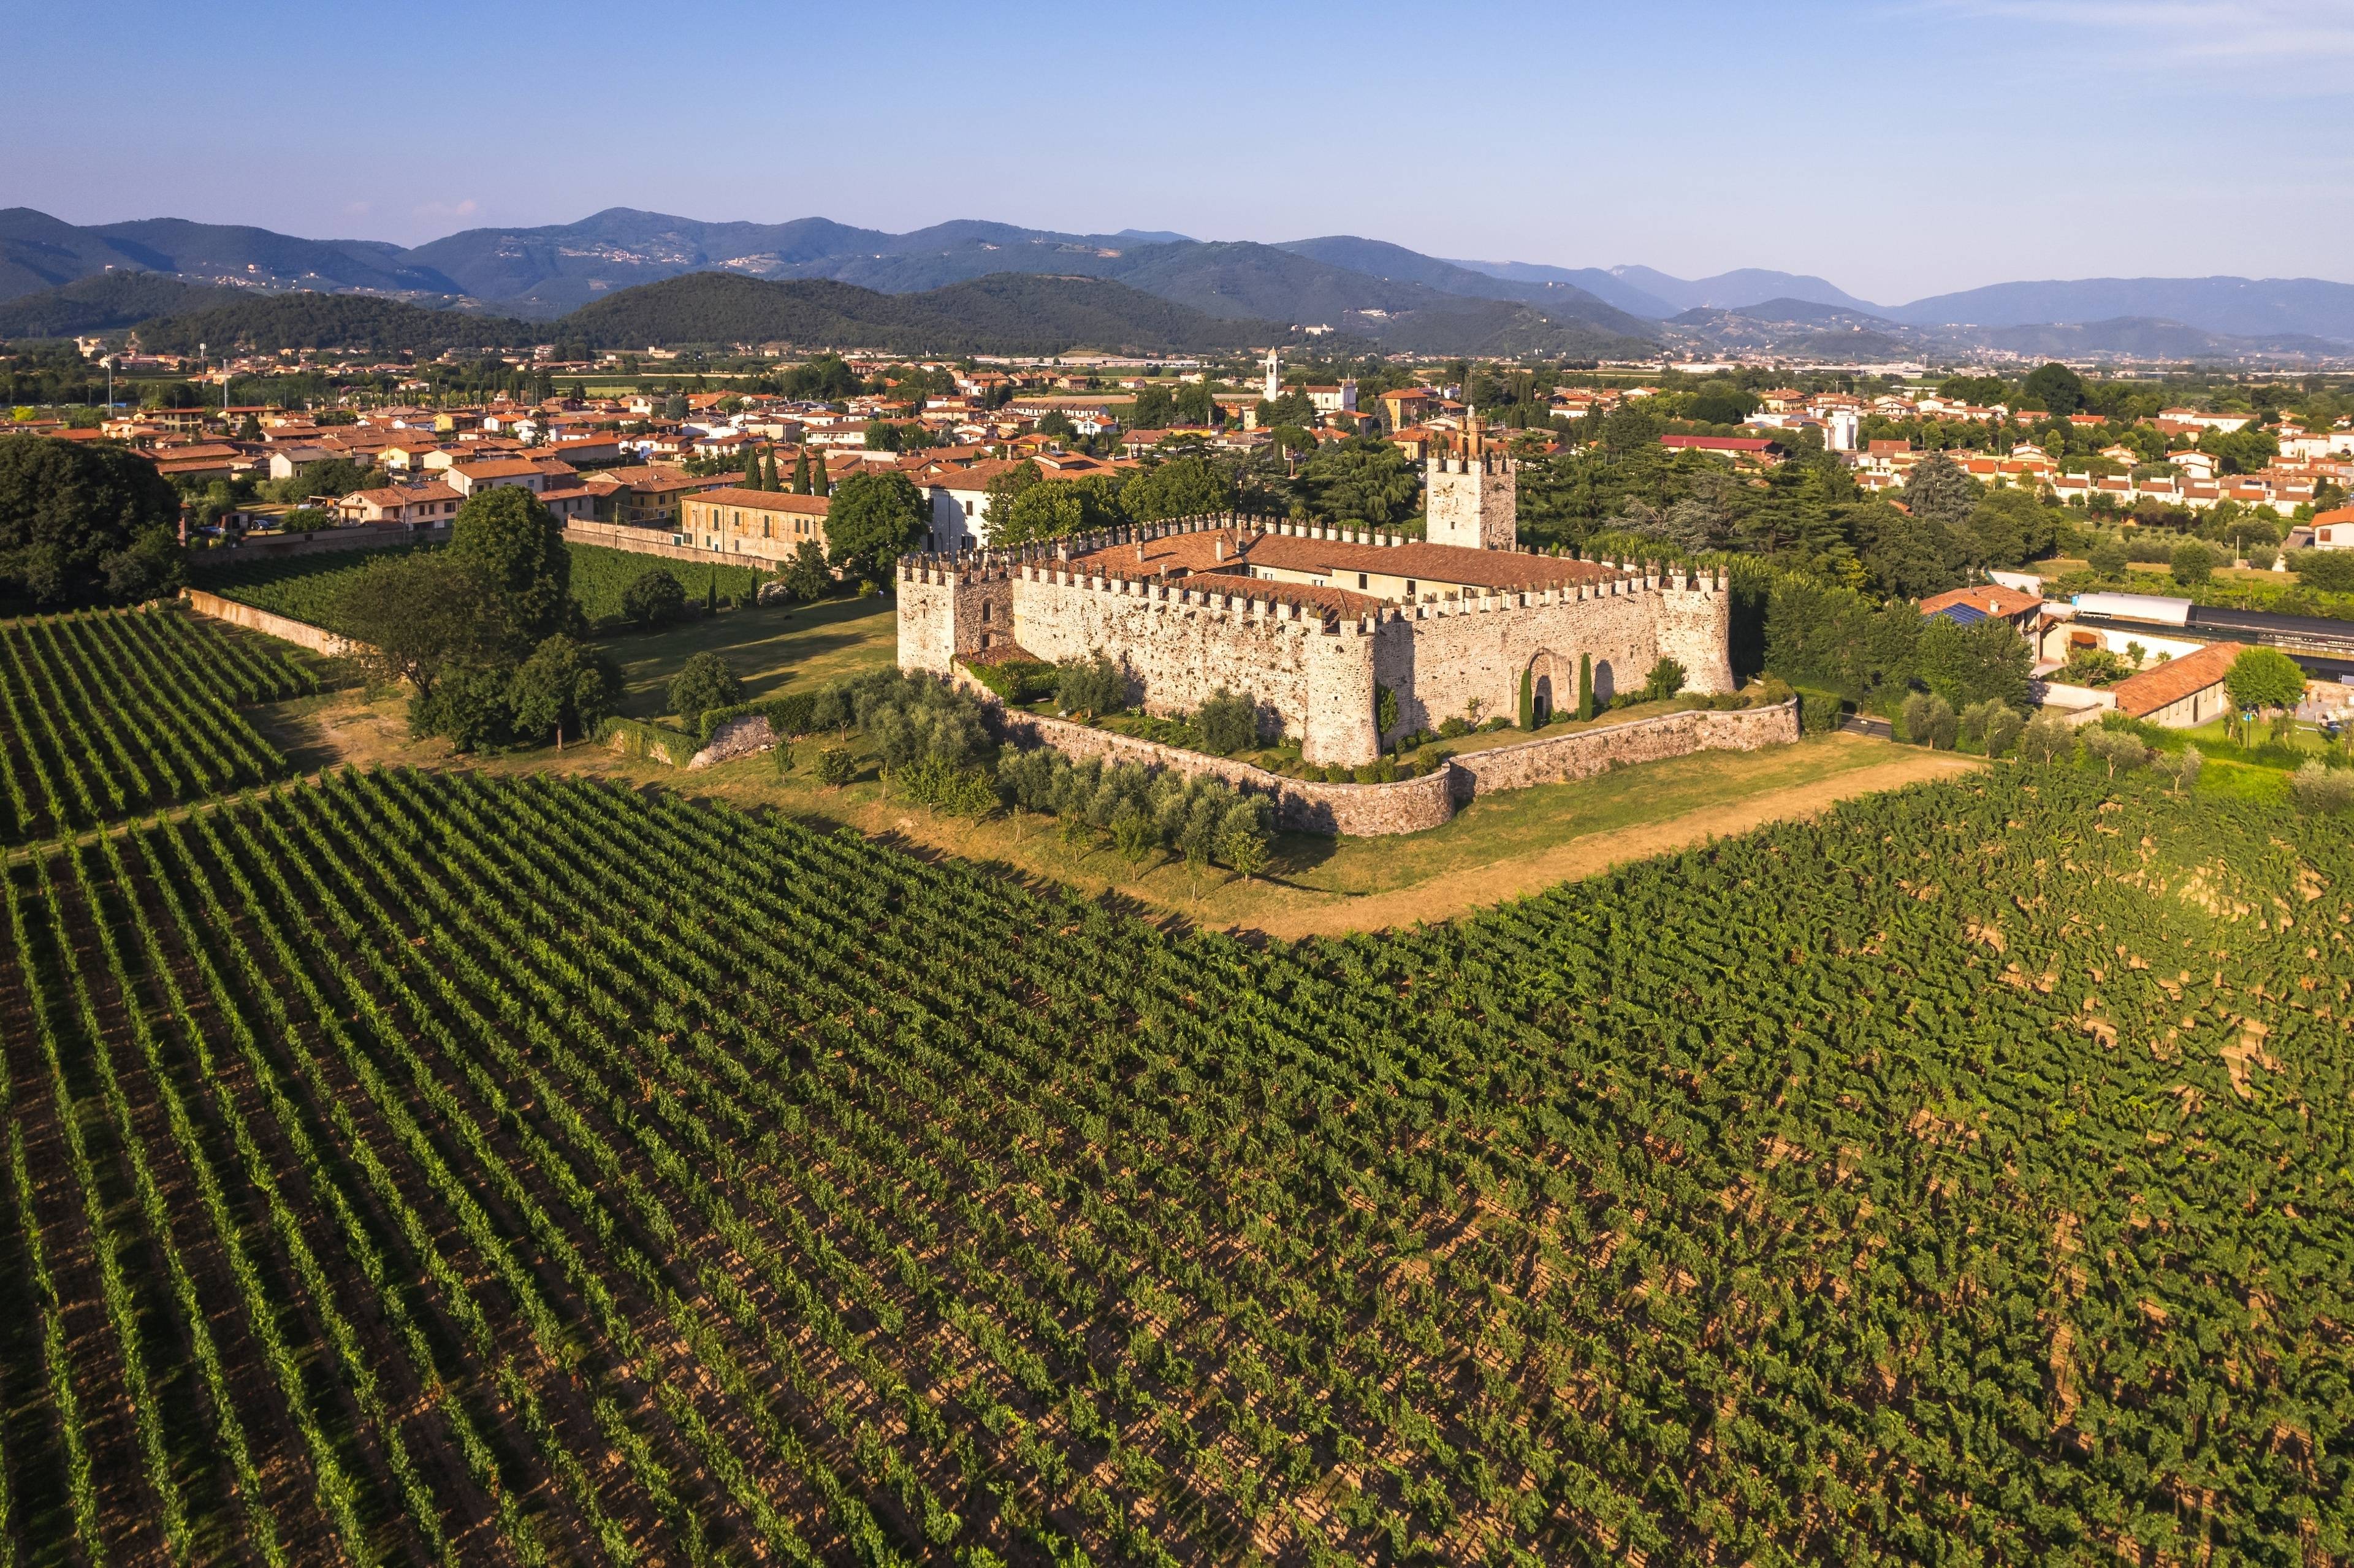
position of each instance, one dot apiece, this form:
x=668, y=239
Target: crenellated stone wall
x=1316, y=674
x=1441, y=657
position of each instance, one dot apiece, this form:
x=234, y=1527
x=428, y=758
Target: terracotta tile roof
x=1436, y=565
x=513, y=469
x=2171, y=681
x=1996, y=600
x=767, y=500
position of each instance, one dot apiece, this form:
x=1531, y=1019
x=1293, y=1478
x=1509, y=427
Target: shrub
x=793, y=714
x=1453, y=729
x=836, y=766
x=2115, y=749
x=2001, y=730
x=2179, y=768
x=1017, y=680
x=1818, y=711
x=1090, y=686
x=1975, y=719
x=2047, y=738
x=654, y=597
x=2332, y=571
x=2323, y=791
x=1228, y=722
x=703, y=682
x=1664, y=680
x=1930, y=720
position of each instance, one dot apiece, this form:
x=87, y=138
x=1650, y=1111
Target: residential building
x=768, y=523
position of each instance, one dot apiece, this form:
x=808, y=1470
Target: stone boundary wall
x=1583, y=753
x=1360, y=810
x=302, y=633
x=322, y=540
x=736, y=738
x=653, y=542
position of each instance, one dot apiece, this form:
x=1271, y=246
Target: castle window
x=984, y=610
x=1409, y=587
x=1361, y=579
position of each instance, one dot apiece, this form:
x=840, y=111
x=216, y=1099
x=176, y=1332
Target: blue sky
x=1899, y=149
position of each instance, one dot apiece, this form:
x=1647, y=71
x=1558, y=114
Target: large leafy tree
x=1051, y=509
x=1181, y=487
x=2265, y=678
x=1361, y=478
x=417, y=617
x=2056, y=388
x=1965, y=664
x=564, y=685
x=875, y=518
x=1939, y=492
x=83, y=523
x=512, y=549
x=1908, y=556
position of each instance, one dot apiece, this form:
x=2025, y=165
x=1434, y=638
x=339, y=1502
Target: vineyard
x=106, y=714
x=417, y=1166
x=305, y=587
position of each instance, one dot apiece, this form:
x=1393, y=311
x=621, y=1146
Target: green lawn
x=771, y=650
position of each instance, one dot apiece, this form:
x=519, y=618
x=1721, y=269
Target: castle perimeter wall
x=1557, y=759
x=1440, y=658
x=1415, y=805
x=1360, y=810
x=300, y=633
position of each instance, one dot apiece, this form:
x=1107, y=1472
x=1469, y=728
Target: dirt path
x=1460, y=892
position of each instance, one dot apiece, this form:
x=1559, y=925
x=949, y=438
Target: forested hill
x=266, y=323
x=1004, y=314
x=1008, y=312
x=104, y=302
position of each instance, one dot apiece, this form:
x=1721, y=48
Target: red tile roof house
x=1987, y=601
x=2180, y=694
x=399, y=503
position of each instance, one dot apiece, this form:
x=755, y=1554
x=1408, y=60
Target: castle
x=1315, y=622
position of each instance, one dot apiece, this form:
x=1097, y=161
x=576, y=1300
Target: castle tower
x=1470, y=497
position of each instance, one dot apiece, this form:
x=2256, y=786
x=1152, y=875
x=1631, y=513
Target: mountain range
x=1360, y=288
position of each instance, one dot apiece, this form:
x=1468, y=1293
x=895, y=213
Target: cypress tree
x=751, y=468
x=820, y=485
x=1585, y=686
x=800, y=472
x=1529, y=699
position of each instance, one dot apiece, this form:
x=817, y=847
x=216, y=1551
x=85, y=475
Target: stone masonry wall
x=1438, y=658
x=1360, y=810
x=1184, y=643
x=654, y=542
x=324, y=541
x=1580, y=755
x=285, y=629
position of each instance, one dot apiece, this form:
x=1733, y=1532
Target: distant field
x=305, y=587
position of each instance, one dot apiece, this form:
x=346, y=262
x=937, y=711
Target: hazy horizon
x=1896, y=152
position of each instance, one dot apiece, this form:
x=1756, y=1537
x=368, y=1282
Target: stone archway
x=1606, y=682
x=1551, y=683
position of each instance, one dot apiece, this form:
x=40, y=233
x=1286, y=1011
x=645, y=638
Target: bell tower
x=1471, y=496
